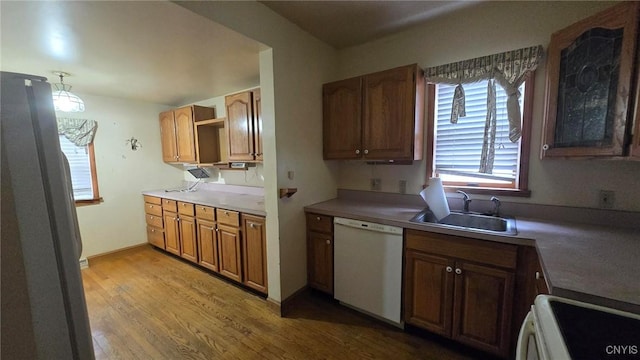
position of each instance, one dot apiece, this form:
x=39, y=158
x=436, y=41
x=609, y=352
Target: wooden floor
x=144, y=304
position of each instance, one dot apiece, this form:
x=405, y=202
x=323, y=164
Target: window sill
x=489, y=191
x=88, y=202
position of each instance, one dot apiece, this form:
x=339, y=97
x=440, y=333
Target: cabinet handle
x=537, y=275
x=357, y=151
x=366, y=152
x=458, y=271
x=328, y=242
x=449, y=269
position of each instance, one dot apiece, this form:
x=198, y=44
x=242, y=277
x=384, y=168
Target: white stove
x=558, y=328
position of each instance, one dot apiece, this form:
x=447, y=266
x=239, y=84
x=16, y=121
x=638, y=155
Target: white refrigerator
x=44, y=314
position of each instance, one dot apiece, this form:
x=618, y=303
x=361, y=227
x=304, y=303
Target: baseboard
x=274, y=306
x=84, y=263
x=132, y=248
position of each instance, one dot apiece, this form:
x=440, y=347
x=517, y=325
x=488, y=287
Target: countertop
x=596, y=264
x=245, y=203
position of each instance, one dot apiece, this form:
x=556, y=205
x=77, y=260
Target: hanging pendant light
x=63, y=99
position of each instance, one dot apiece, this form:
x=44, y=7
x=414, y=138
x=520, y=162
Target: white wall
x=123, y=174
x=292, y=72
x=485, y=29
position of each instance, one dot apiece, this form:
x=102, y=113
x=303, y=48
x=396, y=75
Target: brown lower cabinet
x=230, y=252
x=320, y=252
x=227, y=242
x=254, y=252
x=460, y=288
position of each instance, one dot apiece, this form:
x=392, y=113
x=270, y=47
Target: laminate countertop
x=595, y=264
x=245, y=203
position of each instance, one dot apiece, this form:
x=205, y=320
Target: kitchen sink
x=473, y=221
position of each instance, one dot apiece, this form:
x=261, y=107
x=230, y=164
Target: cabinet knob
x=545, y=147
x=153, y=230
x=318, y=218
x=252, y=225
x=150, y=206
x=328, y=242
x=184, y=204
x=213, y=229
x=204, y=208
x=458, y=271
x=357, y=151
x=366, y=152
x=151, y=218
x=226, y=213
x=217, y=229
x=449, y=269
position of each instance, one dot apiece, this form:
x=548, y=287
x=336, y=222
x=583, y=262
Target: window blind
x=80, y=166
x=458, y=147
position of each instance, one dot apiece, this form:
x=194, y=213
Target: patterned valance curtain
x=509, y=69
x=78, y=131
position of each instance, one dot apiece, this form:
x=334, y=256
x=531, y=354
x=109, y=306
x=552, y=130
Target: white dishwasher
x=368, y=268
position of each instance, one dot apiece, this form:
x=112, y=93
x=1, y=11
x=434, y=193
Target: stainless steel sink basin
x=473, y=221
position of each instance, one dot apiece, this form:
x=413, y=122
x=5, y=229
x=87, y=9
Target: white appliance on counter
x=560, y=328
x=368, y=268
x=44, y=313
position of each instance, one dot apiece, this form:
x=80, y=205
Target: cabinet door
x=483, y=305
x=168, y=137
x=240, y=126
x=188, y=246
x=155, y=236
x=389, y=114
x=171, y=233
x=184, y=131
x=589, y=78
x=257, y=123
x=230, y=252
x=208, y=245
x=428, y=291
x=254, y=252
x=320, y=261
x=342, y=119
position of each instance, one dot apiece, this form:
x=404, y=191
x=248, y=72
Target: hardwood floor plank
x=145, y=304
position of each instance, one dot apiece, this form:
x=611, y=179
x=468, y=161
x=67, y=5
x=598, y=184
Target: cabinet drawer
x=155, y=236
x=320, y=223
x=152, y=200
x=228, y=217
x=154, y=220
x=153, y=209
x=486, y=252
x=169, y=205
x=185, y=208
x=205, y=212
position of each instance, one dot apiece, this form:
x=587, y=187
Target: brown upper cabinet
x=377, y=116
x=177, y=132
x=244, y=126
x=588, y=86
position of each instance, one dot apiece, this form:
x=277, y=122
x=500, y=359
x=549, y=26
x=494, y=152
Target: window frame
x=522, y=183
x=94, y=179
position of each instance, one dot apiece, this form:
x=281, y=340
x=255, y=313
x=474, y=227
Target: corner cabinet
x=244, y=126
x=177, y=132
x=460, y=288
x=378, y=116
x=588, y=107
x=320, y=252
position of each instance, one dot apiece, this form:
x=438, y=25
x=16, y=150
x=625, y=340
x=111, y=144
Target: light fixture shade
x=63, y=99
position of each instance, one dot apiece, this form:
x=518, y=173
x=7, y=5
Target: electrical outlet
x=402, y=186
x=606, y=199
x=376, y=184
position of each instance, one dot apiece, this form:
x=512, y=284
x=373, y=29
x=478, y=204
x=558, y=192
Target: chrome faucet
x=496, y=206
x=466, y=199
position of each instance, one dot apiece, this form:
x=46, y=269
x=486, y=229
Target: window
x=457, y=148
x=83, y=170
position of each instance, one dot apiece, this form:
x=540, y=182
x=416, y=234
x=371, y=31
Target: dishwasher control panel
x=368, y=226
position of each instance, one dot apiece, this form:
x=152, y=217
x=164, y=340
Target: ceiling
x=160, y=52
x=347, y=23
x=151, y=51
